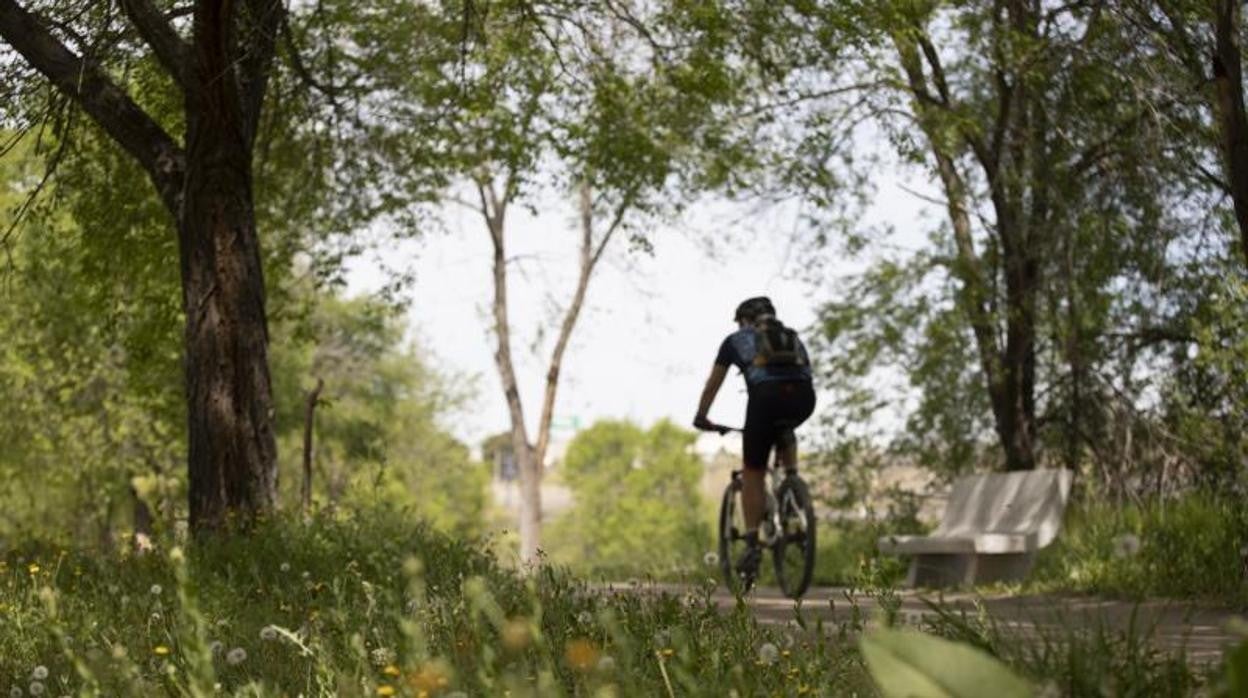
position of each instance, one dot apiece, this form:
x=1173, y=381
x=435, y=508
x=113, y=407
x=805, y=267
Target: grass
x=374, y=605
x=1187, y=548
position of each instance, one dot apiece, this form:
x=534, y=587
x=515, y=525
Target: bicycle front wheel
x=794, y=550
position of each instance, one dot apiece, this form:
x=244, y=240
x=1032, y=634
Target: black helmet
x=751, y=308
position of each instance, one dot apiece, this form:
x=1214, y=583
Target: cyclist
x=781, y=397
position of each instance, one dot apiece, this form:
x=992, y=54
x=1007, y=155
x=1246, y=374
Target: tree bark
x=1228, y=81
x=309, y=416
x=233, y=453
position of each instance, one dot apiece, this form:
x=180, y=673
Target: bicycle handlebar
x=719, y=428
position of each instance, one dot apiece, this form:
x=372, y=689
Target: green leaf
x=908, y=664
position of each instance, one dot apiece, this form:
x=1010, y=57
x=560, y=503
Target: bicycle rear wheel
x=794, y=550
x=731, y=535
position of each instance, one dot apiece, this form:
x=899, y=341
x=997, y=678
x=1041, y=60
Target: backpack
x=775, y=344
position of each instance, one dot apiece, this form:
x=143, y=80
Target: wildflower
x=155, y=616
x=516, y=634
x=36, y=688
x=433, y=676
x=236, y=656
x=711, y=559
x=216, y=648
x=176, y=555
x=390, y=670
x=385, y=690
x=383, y=656
x=1193, y=350
x=581, y=655
x=15, y=692
x=40, y=673
x=1126, y=545
x=306, y=574
x=156, y=589
x=268, y=632
x=284, y=567
x=662, y=638
x=606, y=663
x=33, y=568
x=585, y=618
x=768, y=653
x=160, y=650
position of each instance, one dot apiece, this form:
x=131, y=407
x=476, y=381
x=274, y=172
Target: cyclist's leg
x=756, y=444
x=796, y=406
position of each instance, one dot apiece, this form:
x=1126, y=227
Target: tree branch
x=169, y=48
x=84, y=82
x=266, y=18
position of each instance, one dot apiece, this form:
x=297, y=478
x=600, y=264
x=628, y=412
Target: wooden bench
x=991, y=529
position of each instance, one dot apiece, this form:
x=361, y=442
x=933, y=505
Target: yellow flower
x=516, y=635
x=385, y=690
x=432, y=676
x=160, y=650
x=33, y=568
x=390, y=670
x=581, y=655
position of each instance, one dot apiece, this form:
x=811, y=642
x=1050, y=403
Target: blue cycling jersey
x=739, y=349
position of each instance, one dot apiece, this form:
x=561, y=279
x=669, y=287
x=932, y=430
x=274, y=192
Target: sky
x=652, y=322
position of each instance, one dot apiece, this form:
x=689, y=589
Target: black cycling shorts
x=773, y=407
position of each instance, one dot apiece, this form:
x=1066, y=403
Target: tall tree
x=585, y=97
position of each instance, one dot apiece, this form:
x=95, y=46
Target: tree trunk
x=309, y=415
x=494, y=209
x=1229, y=106
x=232, y=451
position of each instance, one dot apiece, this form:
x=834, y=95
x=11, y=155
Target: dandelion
x=306, y=574
x=710, y=559
x=15, y=692
x=40, y=673
x=1126, y=545
x=160, y=650
x=156, y=589
x=662, y=638
x=236, y=656
x=390, y=670
x=284, y=567
x=216, y=648
x=385, y=690
x=33, y=568
x=606, y=663
x=768, y=653
x=383, y=656
x=36, y=688
x=581, y=655
x=155, y=616
x=432, y=677
x=268, y=633
x=1193, y=350
x=585, y=618
x=516, y=634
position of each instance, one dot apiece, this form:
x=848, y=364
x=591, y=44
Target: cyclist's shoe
x=747, y=566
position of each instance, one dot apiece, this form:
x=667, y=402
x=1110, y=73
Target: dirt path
x=1200, y=630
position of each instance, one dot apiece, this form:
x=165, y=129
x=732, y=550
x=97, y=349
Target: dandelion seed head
x=156, y=590
x=284, y=567
x=711, y=559
x=40, y=673
x=1126, y=545
x=768, y=653
x=606, y=663
x=36, y=688
x=236, y=656
x=216, y=648
x=15, y=692
x=268, y=632
x=585, y=618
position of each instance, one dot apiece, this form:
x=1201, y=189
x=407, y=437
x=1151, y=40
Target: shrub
x=1184, y=548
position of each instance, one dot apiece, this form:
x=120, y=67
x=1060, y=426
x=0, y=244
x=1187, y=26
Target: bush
x=1185, y=548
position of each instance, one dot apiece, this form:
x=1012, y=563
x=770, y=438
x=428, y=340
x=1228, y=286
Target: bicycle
x=788, y=526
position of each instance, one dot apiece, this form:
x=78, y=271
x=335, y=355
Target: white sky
x=651, y=325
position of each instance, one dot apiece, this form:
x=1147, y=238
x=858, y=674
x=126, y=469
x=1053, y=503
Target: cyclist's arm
x=713, y=382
